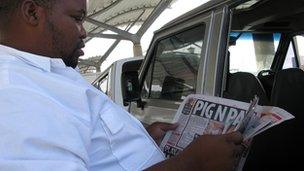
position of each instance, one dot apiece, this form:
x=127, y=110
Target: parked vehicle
x=91, y=77
x=112, y=80
x=234, y=49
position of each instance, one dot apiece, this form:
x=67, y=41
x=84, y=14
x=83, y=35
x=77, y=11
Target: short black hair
x=8, y=7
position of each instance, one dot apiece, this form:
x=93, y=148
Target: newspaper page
x=201, y=114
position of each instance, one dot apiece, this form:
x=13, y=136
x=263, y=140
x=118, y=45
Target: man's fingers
x=238, y=150
x=167, y=126
x=235, y=137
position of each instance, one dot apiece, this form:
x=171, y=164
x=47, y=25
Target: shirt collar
x=42, y=62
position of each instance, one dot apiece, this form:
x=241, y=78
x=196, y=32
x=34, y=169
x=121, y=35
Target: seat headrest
x=288, y=90
x=244, y=86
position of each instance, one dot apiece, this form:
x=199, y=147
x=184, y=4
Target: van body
x=234, y=49
x=110, y=81
x=199, y=51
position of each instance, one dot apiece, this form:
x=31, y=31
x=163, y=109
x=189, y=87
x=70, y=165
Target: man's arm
x=207, y=152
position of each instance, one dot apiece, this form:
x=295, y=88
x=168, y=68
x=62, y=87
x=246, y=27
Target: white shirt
x=52, y=119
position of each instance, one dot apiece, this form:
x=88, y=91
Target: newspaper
x=201, y=114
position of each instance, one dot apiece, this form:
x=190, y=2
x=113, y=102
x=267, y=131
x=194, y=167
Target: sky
x=98, y=46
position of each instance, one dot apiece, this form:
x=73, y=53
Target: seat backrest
x=288, y=90
x=281, y=146
x=243, y=86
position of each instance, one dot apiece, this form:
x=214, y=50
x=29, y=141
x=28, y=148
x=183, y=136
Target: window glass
x=174, y=70
x=252, y=52
x=300, y=49
x=290, y=60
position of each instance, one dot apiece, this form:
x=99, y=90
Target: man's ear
x=31, y=12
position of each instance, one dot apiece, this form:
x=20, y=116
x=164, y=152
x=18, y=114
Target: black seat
x=266, y=78
x=172, y=88
x=243, y=86
x=282, y=146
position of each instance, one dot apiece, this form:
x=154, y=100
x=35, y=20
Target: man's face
x=64, y=30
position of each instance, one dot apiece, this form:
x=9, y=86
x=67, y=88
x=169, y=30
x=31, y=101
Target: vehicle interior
x=271, y=36
x=264, y=58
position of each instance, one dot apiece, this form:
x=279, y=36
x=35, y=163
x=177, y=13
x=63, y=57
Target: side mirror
x=130, y=87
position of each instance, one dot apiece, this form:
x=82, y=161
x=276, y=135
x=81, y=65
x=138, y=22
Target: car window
x=252, y=52
x=173, y=73
x=299, y=43
x=290, y=60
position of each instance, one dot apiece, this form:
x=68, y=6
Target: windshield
x=252, y=52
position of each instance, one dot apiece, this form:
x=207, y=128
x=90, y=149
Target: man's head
x=50, y=28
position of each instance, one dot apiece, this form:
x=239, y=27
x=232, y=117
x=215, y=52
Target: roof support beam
x=108, y=36
x=144, y=8
x=108, y=52
x=163, y=4
x=123, y=33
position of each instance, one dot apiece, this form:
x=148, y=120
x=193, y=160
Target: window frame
x=153, y=58
x=152, y=67
x=104, y=77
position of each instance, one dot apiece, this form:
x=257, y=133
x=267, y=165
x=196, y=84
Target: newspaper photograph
x=201, y=114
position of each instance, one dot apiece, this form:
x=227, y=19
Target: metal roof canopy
x=113, y=15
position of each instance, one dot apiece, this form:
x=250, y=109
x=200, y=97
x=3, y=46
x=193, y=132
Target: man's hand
x=157, y=130
x=213, y=152
x=207, y=152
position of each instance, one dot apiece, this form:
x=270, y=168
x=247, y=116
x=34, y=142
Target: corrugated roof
x=119, y=16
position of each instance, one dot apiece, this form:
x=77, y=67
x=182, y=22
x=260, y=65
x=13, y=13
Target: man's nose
x=83, y=32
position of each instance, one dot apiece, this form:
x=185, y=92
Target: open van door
x=175, y=65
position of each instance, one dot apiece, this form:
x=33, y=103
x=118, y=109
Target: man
x=52, y=119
